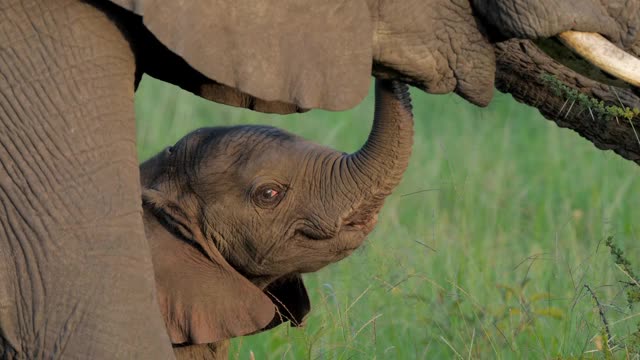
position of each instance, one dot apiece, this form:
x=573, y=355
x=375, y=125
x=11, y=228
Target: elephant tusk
x=603, y=54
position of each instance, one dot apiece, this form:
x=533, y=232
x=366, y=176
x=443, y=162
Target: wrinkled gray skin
x=76, y=277
x=234, y=215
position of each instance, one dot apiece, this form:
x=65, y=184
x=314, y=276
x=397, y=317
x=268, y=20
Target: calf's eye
x=268, y=196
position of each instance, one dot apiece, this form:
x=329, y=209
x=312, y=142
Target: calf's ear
x=203, y=299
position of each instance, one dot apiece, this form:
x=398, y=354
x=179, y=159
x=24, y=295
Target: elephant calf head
x=234, y=215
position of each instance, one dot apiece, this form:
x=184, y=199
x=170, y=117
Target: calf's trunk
x=378, y=166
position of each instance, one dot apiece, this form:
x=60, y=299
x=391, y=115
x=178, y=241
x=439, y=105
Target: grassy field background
x=483, y=250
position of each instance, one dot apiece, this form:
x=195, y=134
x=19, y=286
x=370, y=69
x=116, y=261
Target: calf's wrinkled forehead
x=223, y=148
x=222, y=138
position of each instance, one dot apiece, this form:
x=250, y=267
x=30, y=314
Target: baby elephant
x=234, y=215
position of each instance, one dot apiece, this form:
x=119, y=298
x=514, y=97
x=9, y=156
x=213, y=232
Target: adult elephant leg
x=76, y=278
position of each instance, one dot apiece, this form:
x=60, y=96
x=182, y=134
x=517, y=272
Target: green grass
x=491, y=262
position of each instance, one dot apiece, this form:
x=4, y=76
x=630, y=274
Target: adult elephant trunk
x=378, y=166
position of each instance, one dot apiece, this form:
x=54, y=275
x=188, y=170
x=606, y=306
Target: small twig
x=533, y=258
x=634, y=131
x=495, y=325
x=399, y=282
x=425, y=245
x=372, y=320
x=618, y=97
x=570, y=107
x=375, y=334
x=357, y=299
x=473, y=336
x=419, y=191
x=625, y=318
x=562, y=108
x=451, y=347
x=629, y=273
x=630, y=122
x=601, y=311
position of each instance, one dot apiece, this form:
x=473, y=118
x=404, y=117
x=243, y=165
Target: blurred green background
x=483, y=250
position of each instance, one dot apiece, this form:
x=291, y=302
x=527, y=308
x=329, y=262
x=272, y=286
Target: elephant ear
x=203, y=299
x=313, y=54
x=291, y=299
